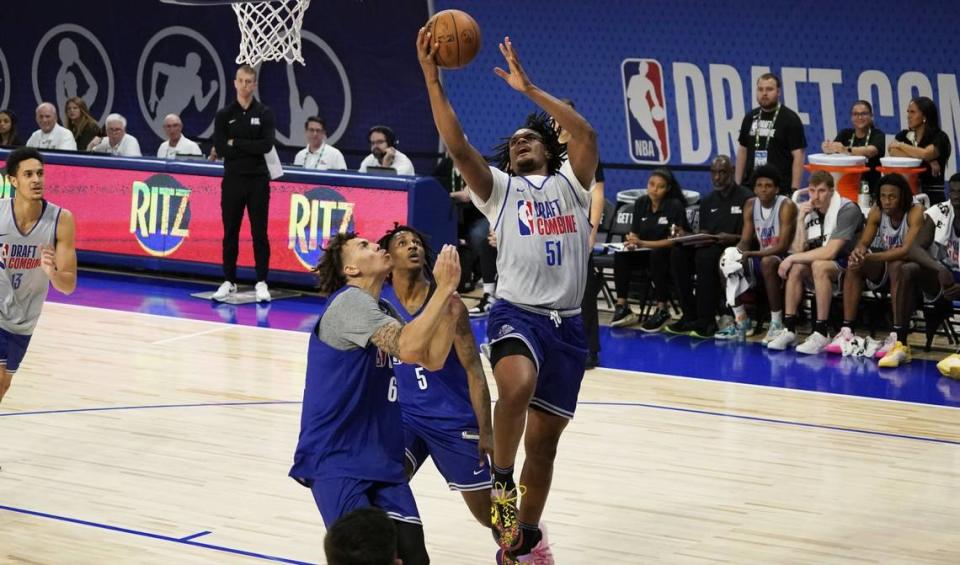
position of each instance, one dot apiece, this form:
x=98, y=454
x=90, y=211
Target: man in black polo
x=771, y=134
x=721, y=215
x=243, y=134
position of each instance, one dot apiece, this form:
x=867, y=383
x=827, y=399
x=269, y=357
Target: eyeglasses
x=860, y=114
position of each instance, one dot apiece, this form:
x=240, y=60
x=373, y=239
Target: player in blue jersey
x=538, y=207
x=446, y=413
x=350, y=451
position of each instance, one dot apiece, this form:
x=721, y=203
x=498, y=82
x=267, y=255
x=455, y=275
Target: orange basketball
x=458, y=35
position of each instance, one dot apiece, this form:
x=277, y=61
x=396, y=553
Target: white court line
x=195, y=334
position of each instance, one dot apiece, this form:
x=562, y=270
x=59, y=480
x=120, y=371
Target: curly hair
x=428, y=255
x=329, y=270
x=898, y=181
x=542, y=123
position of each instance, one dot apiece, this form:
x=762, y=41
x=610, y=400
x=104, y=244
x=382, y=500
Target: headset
x=392, y=140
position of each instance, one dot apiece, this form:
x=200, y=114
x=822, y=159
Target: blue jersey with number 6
x=442, y=394
x=543, y=232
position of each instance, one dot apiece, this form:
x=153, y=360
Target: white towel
x=814, y=228
x=732, y=267
x=273, y=164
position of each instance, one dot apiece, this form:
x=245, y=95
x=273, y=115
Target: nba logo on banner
x=646, y=108
x=525, y=217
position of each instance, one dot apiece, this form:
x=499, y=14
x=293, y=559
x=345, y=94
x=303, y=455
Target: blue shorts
x=12, y=349
x=560, y=353
x=337, y=496
x=453, y=449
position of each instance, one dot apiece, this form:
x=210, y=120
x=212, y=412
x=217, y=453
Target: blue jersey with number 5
x=543, y=232
x=442, y=394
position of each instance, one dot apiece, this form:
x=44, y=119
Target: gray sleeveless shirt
x=23, y=284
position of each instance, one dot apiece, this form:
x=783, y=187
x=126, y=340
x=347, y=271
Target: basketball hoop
x=269, y=29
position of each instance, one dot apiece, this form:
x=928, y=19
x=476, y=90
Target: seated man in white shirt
x=176, y=146
x=51, y=135
x=118, y=141
x=383, y=152
x=318, y=154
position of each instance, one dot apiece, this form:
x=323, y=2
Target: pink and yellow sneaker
x=539, y=555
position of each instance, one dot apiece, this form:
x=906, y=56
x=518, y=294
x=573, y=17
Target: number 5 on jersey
x=554, y=253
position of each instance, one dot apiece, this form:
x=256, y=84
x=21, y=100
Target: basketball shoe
x=539, y=555
x=503, y=514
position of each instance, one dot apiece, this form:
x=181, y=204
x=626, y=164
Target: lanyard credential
x=756, y=131
x=866, y=140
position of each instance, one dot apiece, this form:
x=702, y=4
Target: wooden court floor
x=130, y=438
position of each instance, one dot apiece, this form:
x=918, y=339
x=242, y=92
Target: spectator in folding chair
x=935, y=267
x=721, y=215
x=877, y=260
x=828, y=231
x=769, y=224
x=658, y=213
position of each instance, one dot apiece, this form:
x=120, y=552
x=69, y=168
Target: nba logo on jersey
x=4, y=255
x=525, y=217
x=646, y=109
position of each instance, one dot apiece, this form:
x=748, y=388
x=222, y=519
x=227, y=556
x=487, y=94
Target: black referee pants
x=239, y=192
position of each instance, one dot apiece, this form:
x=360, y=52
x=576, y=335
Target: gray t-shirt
x=848, y=228
x=352, y=318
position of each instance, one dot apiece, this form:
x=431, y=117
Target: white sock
x=490, y=288
x=776, y=317
x=740, y=313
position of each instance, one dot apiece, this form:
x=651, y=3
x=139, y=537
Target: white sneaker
x=784, y=339
x=776, y=328
x=840, y=341
x=225, y=290
x=263, y=293
x=814, y=344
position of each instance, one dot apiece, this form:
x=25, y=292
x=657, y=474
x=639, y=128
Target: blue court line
x=183, y=541
x=582, y=403
x=151, y=407
x=771, y=421
x=196, y=535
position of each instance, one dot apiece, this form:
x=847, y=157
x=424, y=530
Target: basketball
x=458, y=35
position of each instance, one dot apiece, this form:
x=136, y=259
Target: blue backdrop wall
x=692, y=63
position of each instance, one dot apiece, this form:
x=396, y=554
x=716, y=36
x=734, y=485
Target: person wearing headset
x=384, y=153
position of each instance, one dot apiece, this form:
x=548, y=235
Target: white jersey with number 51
x=542, y=226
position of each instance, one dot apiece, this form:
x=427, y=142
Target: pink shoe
x=539, y=555
x=888, y=345
x=844, y=337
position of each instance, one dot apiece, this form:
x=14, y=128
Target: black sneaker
x=623, y=316
x=483, y=307
x=702, y=329
x=593, y=359
x=656, y=321
x=682, y=327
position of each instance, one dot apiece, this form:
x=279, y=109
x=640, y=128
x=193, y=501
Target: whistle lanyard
x=866, y=140
x=756, y=137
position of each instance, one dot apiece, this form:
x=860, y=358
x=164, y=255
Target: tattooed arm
x=466, y=347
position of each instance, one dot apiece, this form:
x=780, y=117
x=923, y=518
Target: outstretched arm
x=466, y=347
x=582, y=147
x=466, y=158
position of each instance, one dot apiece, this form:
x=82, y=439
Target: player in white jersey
x=892, y=226
x=769, y=224
x=538, y=210
x=36, y=249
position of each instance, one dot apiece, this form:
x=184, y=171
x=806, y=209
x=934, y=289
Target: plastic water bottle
x=864, y=199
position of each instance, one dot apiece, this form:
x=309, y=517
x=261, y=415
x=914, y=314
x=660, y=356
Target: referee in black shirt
x=243, y=134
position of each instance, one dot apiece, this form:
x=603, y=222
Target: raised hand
x=427, y=48
x=446, y=271
x=517, y=78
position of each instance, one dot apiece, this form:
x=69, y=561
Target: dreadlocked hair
x=329, y=270
x=542, y=123
x=428, y=255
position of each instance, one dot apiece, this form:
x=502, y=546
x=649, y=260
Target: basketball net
x=270, y=31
